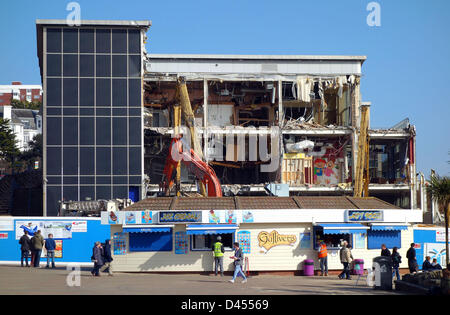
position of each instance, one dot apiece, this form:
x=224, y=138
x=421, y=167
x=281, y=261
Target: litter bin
x=383, y=273
x=308, y=267
x=358, y=267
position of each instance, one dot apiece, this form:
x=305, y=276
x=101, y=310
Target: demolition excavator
x=191, y=157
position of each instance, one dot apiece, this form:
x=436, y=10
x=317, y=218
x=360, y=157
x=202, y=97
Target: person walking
x=396, y=261
x=323, y=258
x=238, y=262
x=218, y=251
x=107, y=257
x=25, y=247
x=97, y=258
x=411, y=256
x=346, y=258
x=50, y=246
x=37, y=242
x=385, y=252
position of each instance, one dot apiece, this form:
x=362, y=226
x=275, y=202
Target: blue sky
x=405, y=75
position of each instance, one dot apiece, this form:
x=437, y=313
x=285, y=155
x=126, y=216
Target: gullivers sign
x=268, y=240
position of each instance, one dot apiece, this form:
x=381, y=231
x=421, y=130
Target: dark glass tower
x=92, y=110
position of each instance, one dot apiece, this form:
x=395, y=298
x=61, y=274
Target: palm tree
x=440, y=191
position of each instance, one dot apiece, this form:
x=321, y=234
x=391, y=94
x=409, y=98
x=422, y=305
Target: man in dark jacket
x=25, y=247
x=50, y=246
x=107, y=257
x=37, y=242
x=97, y=258
x=412, y=262
x=385, y=251
x=238, y=262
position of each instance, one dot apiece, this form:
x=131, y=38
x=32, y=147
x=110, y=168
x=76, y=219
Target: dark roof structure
x=259, y=203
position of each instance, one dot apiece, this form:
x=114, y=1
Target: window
x=70, y=65
x=134, y=66
x=119, y=66
x=120, y=161
x=70, y=40
x=87, y=40
x=119, y=41
x=103, y=66
x=87, y=161
x=54, y=40
x=70, y=162
x=331, y=240
x=390, y=238
x=53, y=65
x=205, y=242
x=103, y=192
x=134, y=42
x=54, y=137
x=103, y=41
x=86, y=65
x=53, y=92
x=53, y=161
x=70, y=92
x=119, y=92
x=151, y=242
x=87, y=92
x=135, y=161
x=70, y=131
x=103, y=161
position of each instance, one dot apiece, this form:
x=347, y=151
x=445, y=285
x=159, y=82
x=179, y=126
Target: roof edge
x=137, y=23
x=257, y=57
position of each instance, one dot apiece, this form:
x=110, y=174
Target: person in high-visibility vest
x=218, y=251
x=323, y=258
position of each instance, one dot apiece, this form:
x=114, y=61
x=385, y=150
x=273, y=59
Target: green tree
x=440, y=191
x=34, y=153
x=25, y=104
x=8, y=144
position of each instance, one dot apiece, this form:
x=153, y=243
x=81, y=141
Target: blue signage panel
x=364, y=216
x=180, y=216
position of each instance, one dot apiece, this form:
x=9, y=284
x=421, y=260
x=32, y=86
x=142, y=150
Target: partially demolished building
x=308, y=108
x=281, y=125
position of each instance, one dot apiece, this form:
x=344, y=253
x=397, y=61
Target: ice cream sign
x=180, y=216
x=364, y=215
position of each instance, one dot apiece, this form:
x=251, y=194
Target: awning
x=202, y=229
x=342, y=228
x=388, y=227
x=148, y=229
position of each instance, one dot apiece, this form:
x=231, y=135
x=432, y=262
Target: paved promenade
x=17, y=280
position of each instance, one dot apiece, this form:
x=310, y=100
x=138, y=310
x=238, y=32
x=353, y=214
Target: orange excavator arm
x=202, y=171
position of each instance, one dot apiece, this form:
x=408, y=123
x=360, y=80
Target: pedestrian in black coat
x=25, y=247
x=97, y=258
x=396, y=261
x=107, y=257
x=385, y=251
x=412, y=262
